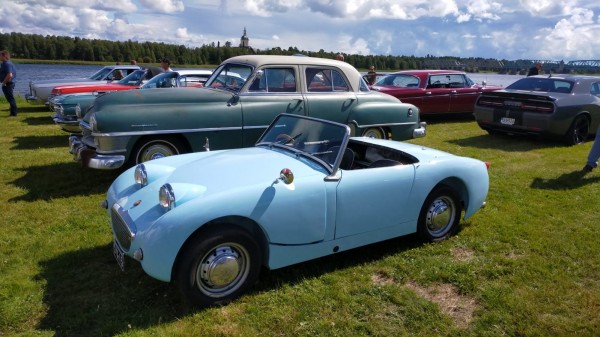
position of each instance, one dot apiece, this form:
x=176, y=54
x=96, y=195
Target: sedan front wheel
x=157, y=148
x=377, y=133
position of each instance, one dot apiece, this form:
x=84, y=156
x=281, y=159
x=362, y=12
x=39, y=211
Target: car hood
x=231, y=169
x=216, y=177
x=168, y=96
x=67, y=89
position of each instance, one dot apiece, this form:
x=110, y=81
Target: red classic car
x=131, y=81
x=433, y=91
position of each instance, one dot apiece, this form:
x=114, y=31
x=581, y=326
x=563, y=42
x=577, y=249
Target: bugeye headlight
x=166, y=197
x=78, y=110
x=140, y=175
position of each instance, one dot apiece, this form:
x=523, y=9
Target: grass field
x=526, y=265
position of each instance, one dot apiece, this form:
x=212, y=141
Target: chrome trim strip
x=145, y=133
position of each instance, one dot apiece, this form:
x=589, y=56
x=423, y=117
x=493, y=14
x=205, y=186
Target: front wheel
x=579, y=131
x=156, y=148
x=377, y=133
x=439, y=215
x=218, y=267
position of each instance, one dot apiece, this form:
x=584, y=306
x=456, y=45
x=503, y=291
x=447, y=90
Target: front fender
x=400, y=118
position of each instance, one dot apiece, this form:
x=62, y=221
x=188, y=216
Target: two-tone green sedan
x=234, y=108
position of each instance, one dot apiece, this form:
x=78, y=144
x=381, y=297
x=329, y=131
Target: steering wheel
x=285, y=139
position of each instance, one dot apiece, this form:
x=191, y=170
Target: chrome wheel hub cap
x=440, y=215
x=220, y=268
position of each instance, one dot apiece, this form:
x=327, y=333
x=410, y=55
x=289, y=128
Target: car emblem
x=137, y=203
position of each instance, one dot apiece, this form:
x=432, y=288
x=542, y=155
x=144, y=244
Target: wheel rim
x=440, y=216
x=155, y=151
x=374, y=133
x=580, y=130
x=223, y=270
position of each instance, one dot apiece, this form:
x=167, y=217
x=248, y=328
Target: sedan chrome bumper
x=89, y=158
x=421, y=131
x=71, y=126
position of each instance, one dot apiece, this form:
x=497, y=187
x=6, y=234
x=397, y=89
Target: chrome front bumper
x=89, y=158
x=66, y=125
x=421, y=131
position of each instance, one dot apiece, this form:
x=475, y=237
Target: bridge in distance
x=513, y=67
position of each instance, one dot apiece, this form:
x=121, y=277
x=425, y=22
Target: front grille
x=124, y=230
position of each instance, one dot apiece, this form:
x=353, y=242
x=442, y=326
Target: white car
x=39, y=91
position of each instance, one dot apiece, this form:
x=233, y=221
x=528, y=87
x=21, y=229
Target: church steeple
x=245, y=41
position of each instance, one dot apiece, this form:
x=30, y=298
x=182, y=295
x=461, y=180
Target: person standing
x=535, y=70
x=371, y=75
x=8, y=75
x=165, y=63
x=593, y=155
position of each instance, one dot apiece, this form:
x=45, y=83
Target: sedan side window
x=595, y=89
x=325, y=80
x=275, y=80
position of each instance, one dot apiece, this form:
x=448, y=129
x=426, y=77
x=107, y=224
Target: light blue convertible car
x=209, y=221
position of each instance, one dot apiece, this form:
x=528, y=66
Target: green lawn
x=526, y=265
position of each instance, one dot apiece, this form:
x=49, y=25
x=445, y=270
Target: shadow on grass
x=508, y=143
x=448, y=118
x=32, y=109
x=62, y=180
x=567, y=181
x=43, y=120
x=88, y=295
x=37, y=142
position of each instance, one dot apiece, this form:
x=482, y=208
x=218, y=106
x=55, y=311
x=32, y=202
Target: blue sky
x=516, y=29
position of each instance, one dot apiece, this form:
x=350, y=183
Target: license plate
x=507, y=121
x=119, y=255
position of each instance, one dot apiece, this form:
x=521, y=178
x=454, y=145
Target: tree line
x=64, y=48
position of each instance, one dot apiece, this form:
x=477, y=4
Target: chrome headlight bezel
x=140, y=175
x=93, y=123
x=166, y=197
x=78, y=111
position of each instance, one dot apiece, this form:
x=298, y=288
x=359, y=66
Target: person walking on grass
x=8, y=75
x=594, y=155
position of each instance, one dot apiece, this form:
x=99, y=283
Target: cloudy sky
x=513, y=29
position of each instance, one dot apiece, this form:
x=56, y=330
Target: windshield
x=101, y=74
x=164, y=80
x=321, y=140
x=402, y=81
x=134, y=78
x=230, y=76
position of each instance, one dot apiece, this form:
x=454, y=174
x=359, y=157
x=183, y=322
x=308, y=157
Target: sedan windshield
x=318, y=139
x=229, y=76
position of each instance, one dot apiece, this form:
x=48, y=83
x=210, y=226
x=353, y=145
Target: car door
x=371, y=199
x=463, y=93
x=272, y=91
x=328, y=94
x=437, y=95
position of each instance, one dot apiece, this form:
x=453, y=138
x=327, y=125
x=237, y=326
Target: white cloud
x=163, y=6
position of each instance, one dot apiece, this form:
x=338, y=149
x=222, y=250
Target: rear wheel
x=154, y=148
x=439, y=215
x=378, y=133
x=218, y=267
x=579, y=131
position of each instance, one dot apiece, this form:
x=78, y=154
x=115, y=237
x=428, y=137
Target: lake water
x=36, y=72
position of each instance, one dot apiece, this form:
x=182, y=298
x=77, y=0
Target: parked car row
x=235, y=106
x=71, y=102
x=295, y=158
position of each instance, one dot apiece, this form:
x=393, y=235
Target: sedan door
x=274, y=90
x=328, y=94
x=463, y=93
